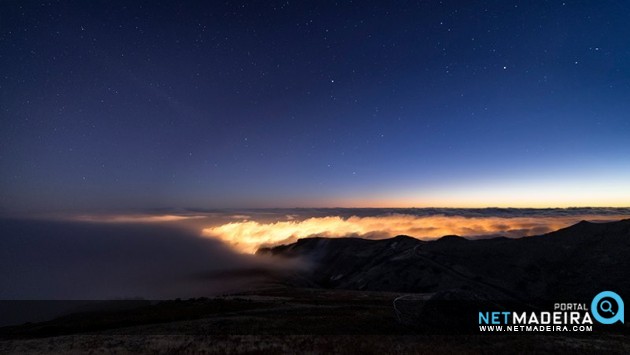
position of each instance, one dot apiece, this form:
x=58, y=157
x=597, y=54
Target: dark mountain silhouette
x=573, y=263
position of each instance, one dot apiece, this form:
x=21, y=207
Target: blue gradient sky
x=110, y=105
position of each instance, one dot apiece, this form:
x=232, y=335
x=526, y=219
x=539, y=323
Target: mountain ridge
x=559, y=264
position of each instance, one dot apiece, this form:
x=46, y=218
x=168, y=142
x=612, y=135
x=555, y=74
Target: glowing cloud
x=247, y=236
x=132, y=218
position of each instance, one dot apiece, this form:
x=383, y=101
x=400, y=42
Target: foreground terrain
x=277, y=320
x=362, y=296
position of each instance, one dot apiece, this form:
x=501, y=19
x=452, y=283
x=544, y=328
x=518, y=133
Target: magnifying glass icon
x=605, y=306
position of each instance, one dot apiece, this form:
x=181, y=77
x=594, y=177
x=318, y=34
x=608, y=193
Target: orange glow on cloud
x=247, y=236
x=133, y=218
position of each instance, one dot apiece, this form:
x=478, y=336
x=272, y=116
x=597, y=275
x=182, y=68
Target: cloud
x=131, y=218
x=80, y=261
x=248, y=236
x=167, y=255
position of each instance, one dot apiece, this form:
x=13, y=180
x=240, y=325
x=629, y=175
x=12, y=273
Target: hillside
x=560, y=265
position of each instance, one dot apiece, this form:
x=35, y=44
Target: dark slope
x=573, y=263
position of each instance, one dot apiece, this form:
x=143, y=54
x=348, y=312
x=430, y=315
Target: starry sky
x=161, y=104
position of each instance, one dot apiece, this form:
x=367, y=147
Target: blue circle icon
x=608, y=316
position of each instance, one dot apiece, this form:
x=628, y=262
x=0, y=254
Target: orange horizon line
x=421, y=207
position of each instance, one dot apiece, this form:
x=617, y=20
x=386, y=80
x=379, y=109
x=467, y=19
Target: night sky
x=144, y=105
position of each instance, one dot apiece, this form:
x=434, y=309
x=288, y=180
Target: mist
x=249, y=235
x=196, y=253
x=86, y=260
